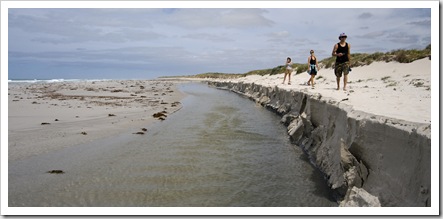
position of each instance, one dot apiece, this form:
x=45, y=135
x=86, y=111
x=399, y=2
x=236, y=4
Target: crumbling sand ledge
x=388, y=158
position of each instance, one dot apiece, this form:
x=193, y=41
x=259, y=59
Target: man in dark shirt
x=342, y=51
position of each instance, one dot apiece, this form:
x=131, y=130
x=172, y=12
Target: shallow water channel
x=220, y=149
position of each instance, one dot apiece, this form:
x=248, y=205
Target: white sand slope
x=397, y=90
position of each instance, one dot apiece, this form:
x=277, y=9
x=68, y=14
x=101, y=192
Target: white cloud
x=245, y=18
x=372, y=35
x=180, y=41
x=403, y=37
x=208, y=37
x=218, y=18
x=365, y=15
x=421, y=23
x=280, y=36
x=82, y=25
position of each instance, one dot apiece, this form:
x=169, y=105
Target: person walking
x=288, y=70
x=313, y=68
x=342, y=50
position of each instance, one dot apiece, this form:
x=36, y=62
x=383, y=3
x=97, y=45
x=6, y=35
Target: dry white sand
x=396, y=90
x=50, y=116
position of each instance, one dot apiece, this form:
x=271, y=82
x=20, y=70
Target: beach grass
x=401, y=56
x=357, y=59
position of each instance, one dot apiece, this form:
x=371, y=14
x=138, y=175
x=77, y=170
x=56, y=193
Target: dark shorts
x=312, y=71
x=341, y=68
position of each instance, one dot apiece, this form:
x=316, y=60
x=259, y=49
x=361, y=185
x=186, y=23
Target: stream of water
x=219, y=150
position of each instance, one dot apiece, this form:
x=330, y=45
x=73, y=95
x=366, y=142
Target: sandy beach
x=396, y=90
x=49, y=116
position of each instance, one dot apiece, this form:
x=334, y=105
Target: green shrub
x=402, y=57
x=357, y=59
x=216, y=75
x=302, y=68
x=278, y=70
x=328, y=62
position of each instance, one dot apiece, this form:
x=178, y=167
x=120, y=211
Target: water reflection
x=219, y=150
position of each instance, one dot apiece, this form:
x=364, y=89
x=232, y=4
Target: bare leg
x=284, y=79
x=345, y=81
x=289, y=77
x=338, y=83
x=312, y=80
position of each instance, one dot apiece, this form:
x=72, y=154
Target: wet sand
x=45, y=117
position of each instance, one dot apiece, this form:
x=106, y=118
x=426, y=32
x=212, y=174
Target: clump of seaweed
x=56, y=172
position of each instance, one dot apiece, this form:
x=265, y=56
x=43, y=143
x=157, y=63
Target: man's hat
x=342, y=35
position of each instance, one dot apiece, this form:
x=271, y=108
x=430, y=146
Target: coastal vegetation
x=357, y=59
x=401, y=56
x=215, y=75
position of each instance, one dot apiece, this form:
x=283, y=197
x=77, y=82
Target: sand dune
x=401, y=91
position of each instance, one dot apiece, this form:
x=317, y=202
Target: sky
x=145, y=43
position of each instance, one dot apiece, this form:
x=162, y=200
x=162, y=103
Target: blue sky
x=144, y=43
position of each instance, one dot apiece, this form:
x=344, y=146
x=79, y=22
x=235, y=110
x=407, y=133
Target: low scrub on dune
x=218, y=75
x=357, y=59
x=213, y=75
x=298, y=68
x=401, y=56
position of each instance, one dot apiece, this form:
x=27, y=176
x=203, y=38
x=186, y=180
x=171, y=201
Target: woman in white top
x=288, y=70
